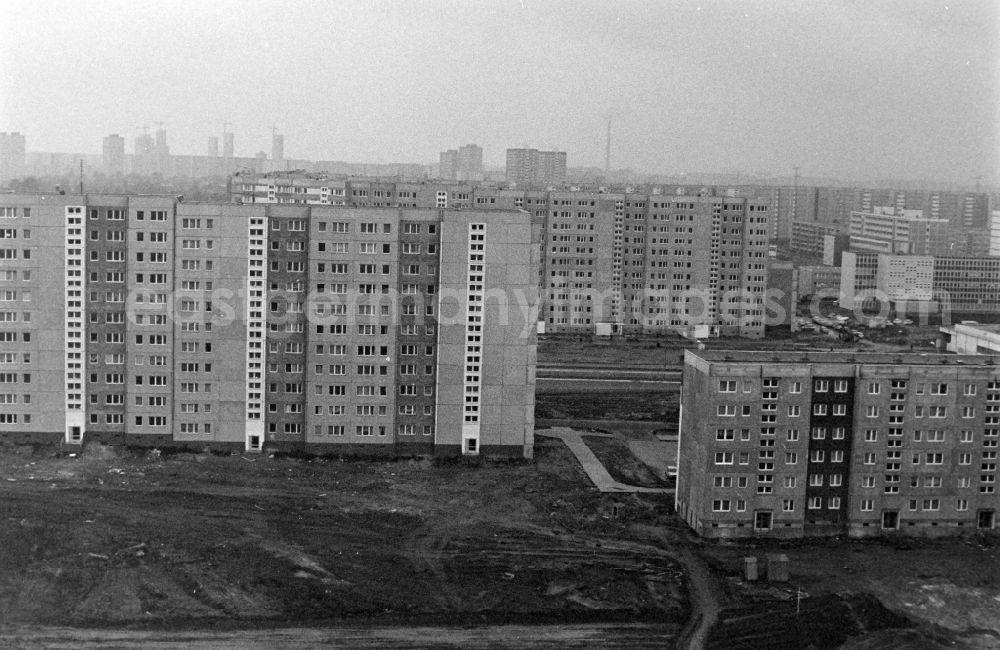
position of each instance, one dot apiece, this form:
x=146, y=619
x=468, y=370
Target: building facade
x=899, y=232
x=955, y=285
x=808, y=237
x=783, y=444
x=113, y=154
x=155, y=323
x=821, y=281
x=12, y=156
x=627, y=262
x=531, y=167
x=462, y=164
x=994, y=250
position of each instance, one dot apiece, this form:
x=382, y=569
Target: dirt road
x=610, y=636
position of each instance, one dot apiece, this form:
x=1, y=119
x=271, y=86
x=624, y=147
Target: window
x=874, y=388
x=792, y=435
x=727, y=386
x=724, y=458
x=791, y=457
x=871, y=435
x=815, y=503
x=840, y=409
x=726, y=410
x=871, y=411
x=795, y=387
x=720, y=434
x=720, y=505
x=840, y=386
x=821, y=386
x=819, y=409
x=794, y=411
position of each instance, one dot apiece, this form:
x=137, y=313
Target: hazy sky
x=905, y=88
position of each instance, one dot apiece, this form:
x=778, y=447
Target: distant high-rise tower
x=607, y=152
x=213, y=146
x=448, y=165
x=227, y=145
x=144, y=154
x=143, y=145
x=163, y=161
x=161, y=141
x=470, y=163
x=12, y=156
x=462, y=164
x=278, y=150
x=113, y=152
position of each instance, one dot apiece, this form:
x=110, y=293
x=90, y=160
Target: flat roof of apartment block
x=880, y=358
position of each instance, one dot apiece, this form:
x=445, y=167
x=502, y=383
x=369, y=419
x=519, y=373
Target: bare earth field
x=173, y=545
x=949, y=587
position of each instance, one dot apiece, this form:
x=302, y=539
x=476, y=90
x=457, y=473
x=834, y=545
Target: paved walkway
x=591, y=465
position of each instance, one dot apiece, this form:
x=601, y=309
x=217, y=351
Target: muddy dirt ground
x=949, y=589
x=635, y=405
x=111, y=538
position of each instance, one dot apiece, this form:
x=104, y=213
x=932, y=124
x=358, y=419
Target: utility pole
x=607, y=151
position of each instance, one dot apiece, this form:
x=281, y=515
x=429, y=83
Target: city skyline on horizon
x=751, y=176
x=733, y=87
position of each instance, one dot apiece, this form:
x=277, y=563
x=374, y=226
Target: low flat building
x=971, y=338
x=808, y=236
x=823, y=281
x=792, y=444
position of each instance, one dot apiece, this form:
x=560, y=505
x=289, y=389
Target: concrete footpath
x=591, y=465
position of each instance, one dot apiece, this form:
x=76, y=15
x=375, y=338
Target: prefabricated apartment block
x=789, y=444
x=148, y=321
